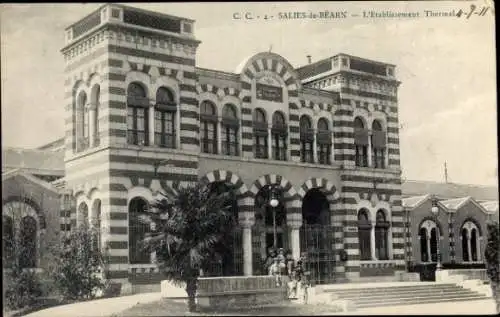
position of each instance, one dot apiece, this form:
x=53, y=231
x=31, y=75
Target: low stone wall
x=239, y=292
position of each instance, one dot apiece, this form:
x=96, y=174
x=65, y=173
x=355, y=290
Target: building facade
x=142, y=118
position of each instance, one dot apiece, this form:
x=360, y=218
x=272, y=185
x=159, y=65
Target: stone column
x=294, y=222
x=218, y=134
x=151, y=124
x=269, y=143
x=370, y=163
x=478, y=247
x=92, y=108
x=332, y=149
x=428, y=239
x=315, y=147
x=372, y=241
x=469, y=248
x=246, y=221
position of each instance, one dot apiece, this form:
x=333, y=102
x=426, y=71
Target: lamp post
x=435, y=212
x=273, y=202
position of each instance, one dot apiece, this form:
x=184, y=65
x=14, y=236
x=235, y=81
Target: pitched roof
x=457, y=203
x=491, y=206
x=34, y=161
x=449, y=190
x=414, y=201
x=18, y=172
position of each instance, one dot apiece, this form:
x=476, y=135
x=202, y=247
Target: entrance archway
x=317, y=236
x=231, y=262
x=270, y=221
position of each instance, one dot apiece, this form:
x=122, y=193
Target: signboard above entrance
x=270, y=93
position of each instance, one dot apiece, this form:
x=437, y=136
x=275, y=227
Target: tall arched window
x=429, y=240
x=422, y=234
x=360, y=142
x=364, y=228
x=28, y=242
x=279, y=135
x=306, y=140
x=465, y=247
x=95, y=103
x=378, y=145
x=381, y=236
x=208, y=119
x=229, y=132
x=82, y=122
x=137, y=117
x=83, y=214
x=260, y=134
x=165, y=112
x=96, y=224
x=470, y=236
x=137, y=232
x=324, y=141
x=7, y=240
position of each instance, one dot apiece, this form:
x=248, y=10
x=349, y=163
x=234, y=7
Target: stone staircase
x=396, y=294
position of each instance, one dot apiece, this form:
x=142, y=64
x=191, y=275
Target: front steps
x=399, y=293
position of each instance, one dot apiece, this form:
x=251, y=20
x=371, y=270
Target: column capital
x=294, y=220
x=246, y=219
x=91, y=106
x=294, y=224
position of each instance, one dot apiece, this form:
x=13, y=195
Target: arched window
x=471, y=247
x=473, y=239
x=422, y=234
x=8, y=240
x=83, y=214
x=465, y=247
x=434, y=244
x=137, y=117
x=378, y=145
x=229, y=133
x=279, y=135
x=165, y=112
x=429, y=241
x=82, y=122
x=324, y=141
x=260, y=134
x=364, y=228
x=137, y=232
x=96, y=224
x=95, y=103
x=28, y=242
x=306, y=140
x=360, y=142
x=208, y=119
x=381, y=236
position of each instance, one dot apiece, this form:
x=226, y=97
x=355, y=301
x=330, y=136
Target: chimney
x=308, y=59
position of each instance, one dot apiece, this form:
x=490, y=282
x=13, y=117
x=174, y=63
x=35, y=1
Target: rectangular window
x=137, y=126
x=361, y=156
x=208, y=137
x=306, y=153
x=378, y=158
x=229, y=140
x=324, y=153
x=279, y=147
x=260, y=146
x=165, y=129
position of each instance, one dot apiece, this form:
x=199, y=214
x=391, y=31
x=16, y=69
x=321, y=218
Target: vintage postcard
x=263, y=158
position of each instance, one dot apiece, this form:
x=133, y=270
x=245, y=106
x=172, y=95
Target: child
x=274, y=270
x=282, y=261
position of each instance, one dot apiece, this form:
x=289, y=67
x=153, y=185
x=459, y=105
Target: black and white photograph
x=249, y=158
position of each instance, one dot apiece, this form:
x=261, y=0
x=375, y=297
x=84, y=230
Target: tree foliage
x=492, y=257
x=77, y=265
x=22, y=286
x=189, y=233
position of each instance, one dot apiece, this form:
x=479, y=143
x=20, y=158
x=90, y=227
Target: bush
x=22, y=288
x=77, y=265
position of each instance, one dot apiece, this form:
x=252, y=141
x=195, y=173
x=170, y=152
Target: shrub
x=22, y=288
x=77, y=265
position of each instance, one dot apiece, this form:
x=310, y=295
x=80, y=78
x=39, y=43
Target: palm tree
x=189, y=232
x=492, y=254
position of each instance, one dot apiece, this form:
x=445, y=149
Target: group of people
x=280, y=264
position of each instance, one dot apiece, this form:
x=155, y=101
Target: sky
x=447, y=98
